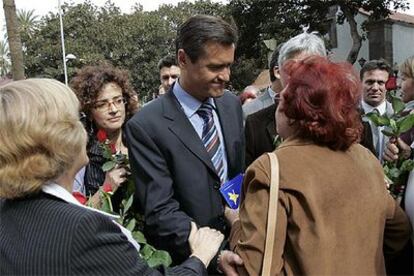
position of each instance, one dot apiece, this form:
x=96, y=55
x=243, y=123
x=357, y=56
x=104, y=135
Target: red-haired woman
x=334, y=211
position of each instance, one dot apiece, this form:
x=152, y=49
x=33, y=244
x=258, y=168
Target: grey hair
x=302, y=43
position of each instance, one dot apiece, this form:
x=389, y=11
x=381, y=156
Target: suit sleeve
x=248, y=235
x=167, y=227
x=100, y=248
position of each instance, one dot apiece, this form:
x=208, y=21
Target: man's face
x=207, y=77
x=373, y=87
x=168, y=75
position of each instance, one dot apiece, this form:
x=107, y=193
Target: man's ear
x=182, y=58
x=276, y=72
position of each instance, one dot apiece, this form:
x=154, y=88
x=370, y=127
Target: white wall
x=345, y=42
x=403, y=41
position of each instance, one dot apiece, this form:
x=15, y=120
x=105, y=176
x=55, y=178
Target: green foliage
x=134, y=41
x=395, y=124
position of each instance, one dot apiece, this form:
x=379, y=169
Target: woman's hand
x=228, y=262
x=116, y=177
x=204, y=242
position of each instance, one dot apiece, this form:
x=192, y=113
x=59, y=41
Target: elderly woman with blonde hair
x=44, y=230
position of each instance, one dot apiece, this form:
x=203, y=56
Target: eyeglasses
x=105, y=105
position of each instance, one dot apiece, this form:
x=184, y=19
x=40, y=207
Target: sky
x=42, y=7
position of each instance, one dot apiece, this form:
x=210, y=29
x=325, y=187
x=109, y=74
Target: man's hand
x=396, y=148
x=204, y=242
x=228, y=262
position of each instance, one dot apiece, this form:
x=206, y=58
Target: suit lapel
x=184, y=130
x=271, y=125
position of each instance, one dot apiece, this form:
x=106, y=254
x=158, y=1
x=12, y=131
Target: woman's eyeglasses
x=105, y=105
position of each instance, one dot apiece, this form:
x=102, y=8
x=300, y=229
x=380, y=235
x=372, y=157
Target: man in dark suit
x=374, y=74
x=260, y=128
x=185, y=145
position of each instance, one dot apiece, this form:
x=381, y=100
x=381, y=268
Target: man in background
x=260, y=128
x=374, y=74
x=169, y=73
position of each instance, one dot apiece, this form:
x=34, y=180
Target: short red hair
x=322, y=99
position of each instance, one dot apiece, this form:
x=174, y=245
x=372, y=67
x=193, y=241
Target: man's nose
x=171, y=80
x=225, y=74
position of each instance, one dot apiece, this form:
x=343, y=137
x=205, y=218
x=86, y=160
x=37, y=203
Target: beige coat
x=334, y=211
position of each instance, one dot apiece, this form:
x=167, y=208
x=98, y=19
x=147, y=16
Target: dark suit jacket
x=260, y=131
x=44, y=235
x=176, y=182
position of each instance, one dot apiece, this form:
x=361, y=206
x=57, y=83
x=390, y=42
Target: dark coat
x=176, y=181
x=44, y=235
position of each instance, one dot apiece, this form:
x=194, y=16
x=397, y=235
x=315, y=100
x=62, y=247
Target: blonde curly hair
x=41, y=134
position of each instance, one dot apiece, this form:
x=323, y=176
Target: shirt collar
x=272, y=93
x=368, y=108
x=58, y=191
x=189, y=104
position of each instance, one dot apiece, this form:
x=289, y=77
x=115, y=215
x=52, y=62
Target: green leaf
x=160, y=257
x=393, y=125
x=139, y=237
x=394, y=173
x=377, y=119
x=108, y=165
x=147, y=251
x=406, y=123
x=397, y=104
x=131, y=225
x=388, y=133
x=407, y=166
x=106, y=202
x=106, y=152
x=128, y=203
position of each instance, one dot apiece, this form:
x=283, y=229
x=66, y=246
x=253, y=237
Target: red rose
x=101, y=135
x=80, y=197
x=391, y=83
x=107, y=188
x=113, y=148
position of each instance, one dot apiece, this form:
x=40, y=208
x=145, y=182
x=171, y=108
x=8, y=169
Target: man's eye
x=118, y=101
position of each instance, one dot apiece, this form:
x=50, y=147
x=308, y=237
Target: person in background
x=260, y=130
x=266, y=98
x=169, y=73
x=249, y=94
x=402, y=148
x=108, y=101
x=374, y=75
x=332, y=196
x=44, y=229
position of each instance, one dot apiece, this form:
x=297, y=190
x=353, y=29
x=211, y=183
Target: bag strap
x=271, y=214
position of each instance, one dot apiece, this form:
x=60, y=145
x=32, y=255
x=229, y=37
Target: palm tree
x=4, y=59
x=15, y=44
x=27, y=21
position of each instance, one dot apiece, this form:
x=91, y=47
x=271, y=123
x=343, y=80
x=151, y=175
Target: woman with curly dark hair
x=334, y=213
x=108, y=101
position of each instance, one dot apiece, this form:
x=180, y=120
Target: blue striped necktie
x=211, y=139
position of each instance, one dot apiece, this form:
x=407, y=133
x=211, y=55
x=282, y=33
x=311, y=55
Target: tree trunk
x=15, y=44
x=356, y=38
